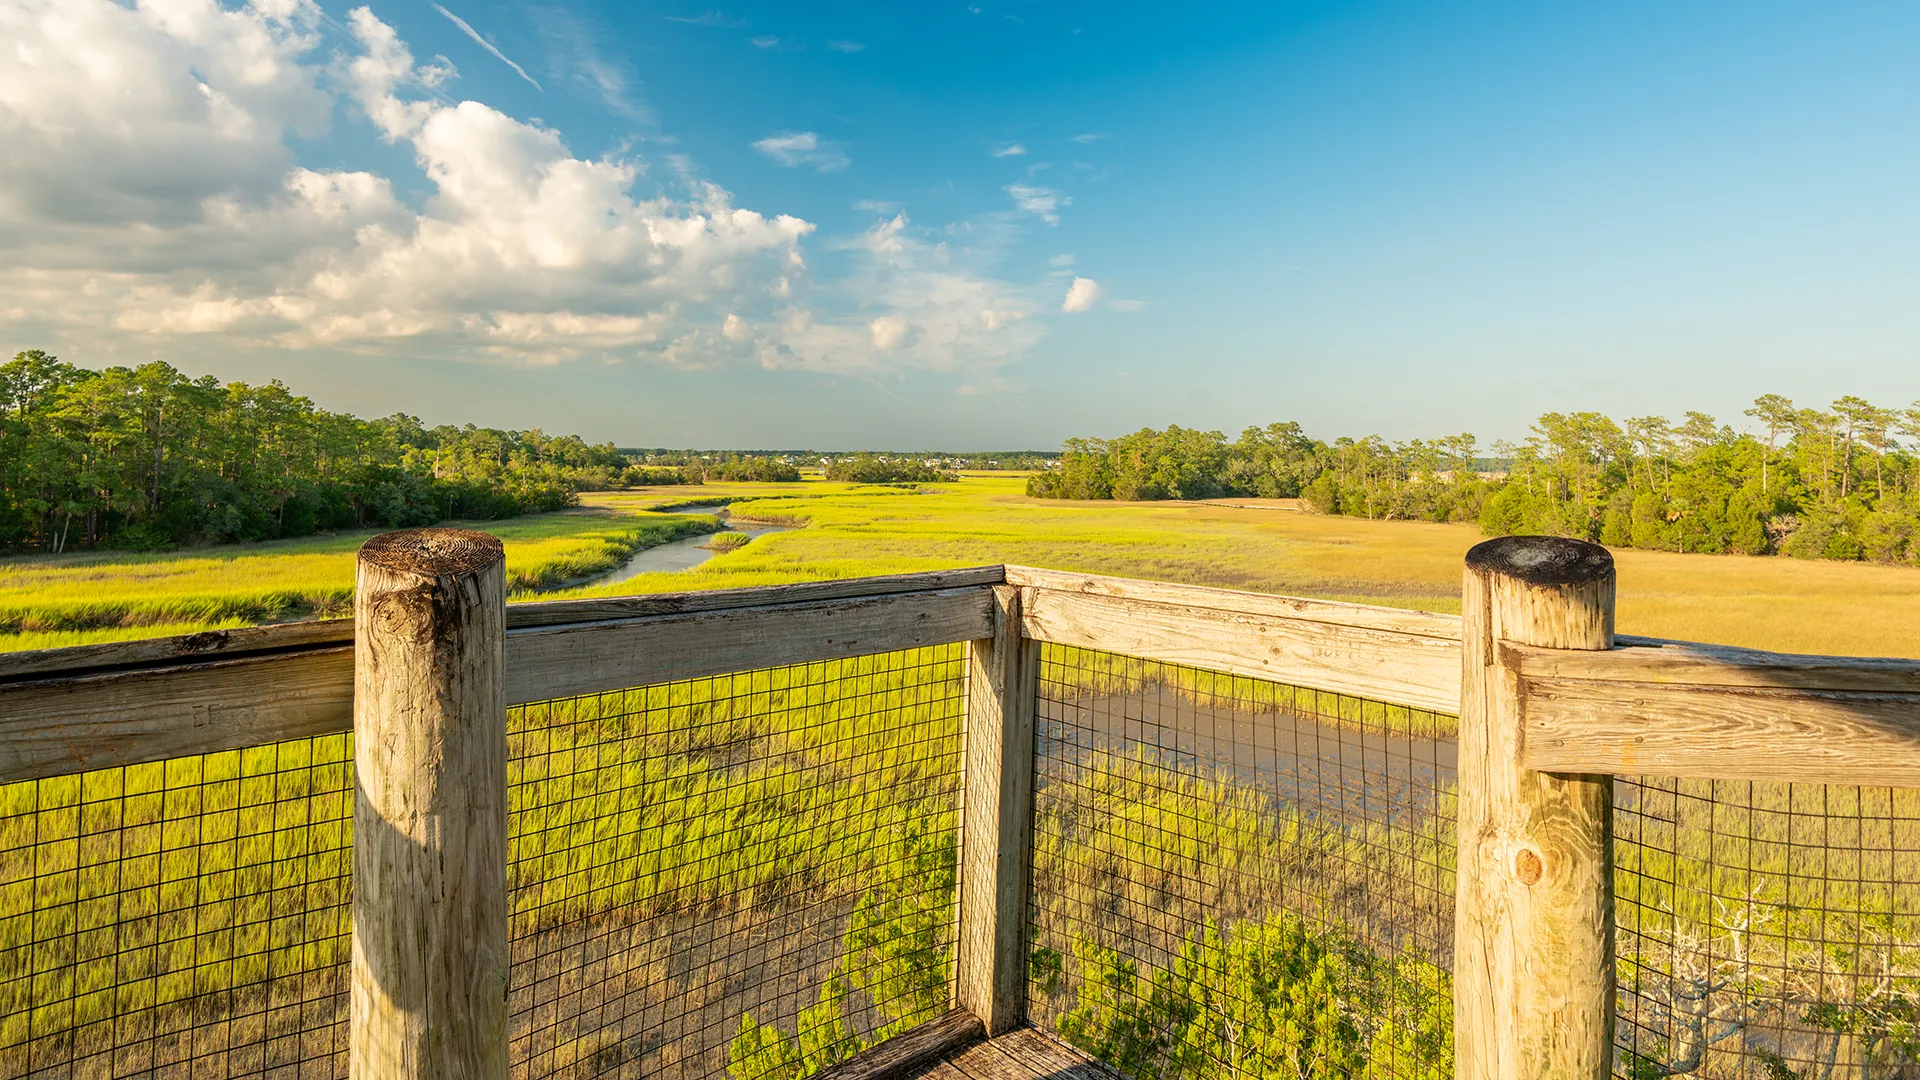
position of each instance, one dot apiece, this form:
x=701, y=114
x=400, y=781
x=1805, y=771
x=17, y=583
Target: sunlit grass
x=119, y=596
x=853, y=531
x=1791, y=605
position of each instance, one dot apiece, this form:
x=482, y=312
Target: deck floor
x=1026, y=1054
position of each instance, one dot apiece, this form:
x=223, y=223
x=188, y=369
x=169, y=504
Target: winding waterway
x=684, y=553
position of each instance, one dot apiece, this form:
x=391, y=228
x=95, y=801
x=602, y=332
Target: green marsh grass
x=849, y=531
x=117, y=596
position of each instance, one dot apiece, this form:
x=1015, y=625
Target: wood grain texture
x=917, y=1048
x=1380, y=665
x=77, y=660
x=1045, y=1057
x=55, y=726
x=1723, y=732
x=1690, y=665
x=1365, y=616
x=1533, y=940
x=562, y=661
x=991, y=964
x=605, y=608
x=987, y=1061
x=430, y=960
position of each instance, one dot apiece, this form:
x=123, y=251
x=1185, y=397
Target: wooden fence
x=1552, y=706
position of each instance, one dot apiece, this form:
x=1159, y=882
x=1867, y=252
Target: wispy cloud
x=848, y=47
x=1042, y=202
x=1012, y=149
x=574, y=59
x=1128, y=306
x=708, y=18
x=797, y=148
x=1081, y=295
x=1089, y=136
x=766, y=41
x=485, y=44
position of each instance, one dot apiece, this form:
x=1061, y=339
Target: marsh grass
x=850, y=531
x=1768, y=929
x=200, y=906
x=109, y=597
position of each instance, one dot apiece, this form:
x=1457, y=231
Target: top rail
x=126, y=703
x=1645, y=707
x=1680, y=709
x=1385, y=654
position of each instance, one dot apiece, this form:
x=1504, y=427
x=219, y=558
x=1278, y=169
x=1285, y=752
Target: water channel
x=686, y=552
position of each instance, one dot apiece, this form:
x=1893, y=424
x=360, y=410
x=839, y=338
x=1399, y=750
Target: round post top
x=433, y=552
x=1542, y=560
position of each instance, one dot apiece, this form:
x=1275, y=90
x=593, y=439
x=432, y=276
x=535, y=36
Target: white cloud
x=148, y=193
x=936, y=315
x=708, y=18
x=468, y=30
x=574, y=59
x=888, y=331
x=1042, y=202
x=1129, y=306
x=797, y=148
x=1088, y=136
x=766, y=41
x=848, y=47
x=1007, y=150
x=1060, y=260
x=1081, y=295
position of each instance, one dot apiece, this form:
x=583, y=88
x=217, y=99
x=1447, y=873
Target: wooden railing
x=1552, y=705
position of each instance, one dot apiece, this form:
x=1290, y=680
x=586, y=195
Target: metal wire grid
x=1767, y=930
x=752, y=874
x=1234, y=877
x=184, y=919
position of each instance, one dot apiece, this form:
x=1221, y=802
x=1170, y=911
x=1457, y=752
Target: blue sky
x=973, y=224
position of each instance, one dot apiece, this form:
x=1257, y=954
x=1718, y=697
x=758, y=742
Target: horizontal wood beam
x=1377, y=664
x=1677, y=709
x=288, y=637
x=69, y=722
x=161, y=652
x=911, y=1050
x=1685, y=663
x=604, y=608
x=1364, y=616
x=561, y=661
x=54, y=726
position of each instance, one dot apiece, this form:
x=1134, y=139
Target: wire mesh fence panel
x=750, y=875
x=1239, y=878
x=1767, y=930
x=182, y=919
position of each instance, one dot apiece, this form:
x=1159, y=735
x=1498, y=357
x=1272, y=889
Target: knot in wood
x=433, y=552
x=1527, y=866
x=1542, y=560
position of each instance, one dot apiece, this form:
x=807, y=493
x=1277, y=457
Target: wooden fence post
x=1533, y=944
x=429, y=999
x=991, y=968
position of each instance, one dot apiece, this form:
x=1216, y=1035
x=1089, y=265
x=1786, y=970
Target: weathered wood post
x=991, y=966
x=429, y=999
x=1533, y=974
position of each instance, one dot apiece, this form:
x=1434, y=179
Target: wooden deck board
x=1022, y=1054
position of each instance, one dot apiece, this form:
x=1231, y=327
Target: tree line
x=147, y=457
x=1836, y=483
